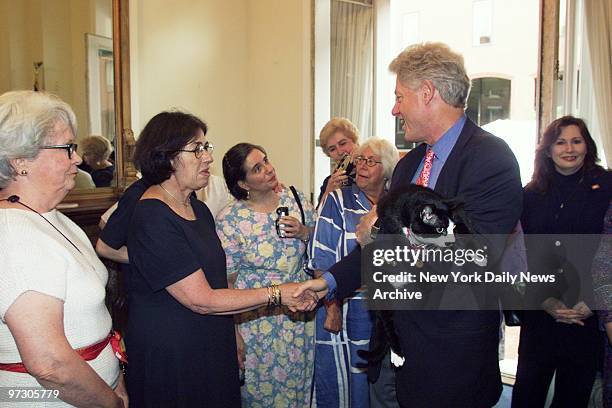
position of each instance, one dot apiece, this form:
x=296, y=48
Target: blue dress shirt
x=442, y=149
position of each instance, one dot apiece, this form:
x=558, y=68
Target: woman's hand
x=583, y=309
x=279, y=187
x=294, y=228
x=337, y=180
x=36, y=322
x=333, y=317
x=305, y=301
x=608, y=327
x=241, y=347
x=561, y=313
x=364, y=227
x=121, y=391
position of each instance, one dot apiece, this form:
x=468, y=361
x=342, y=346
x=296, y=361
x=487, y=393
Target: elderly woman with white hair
x=96, y=151
x=339, y=377
x=54, y=326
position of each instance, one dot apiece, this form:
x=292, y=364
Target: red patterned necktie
x=423, y=179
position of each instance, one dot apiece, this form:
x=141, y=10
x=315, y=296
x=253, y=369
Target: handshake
x=303, y=296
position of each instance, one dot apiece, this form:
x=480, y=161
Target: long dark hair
x=233, y=168
x=544, y=167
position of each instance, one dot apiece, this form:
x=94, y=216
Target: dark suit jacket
x=451, y=356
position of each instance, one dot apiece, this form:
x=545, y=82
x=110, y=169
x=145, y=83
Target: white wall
x=241, y=65
x=512, y=53
x=52, y=32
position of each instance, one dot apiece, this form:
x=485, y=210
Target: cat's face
x=430, y=225
x=431, y=220
x=422, y=211
x=427, y=218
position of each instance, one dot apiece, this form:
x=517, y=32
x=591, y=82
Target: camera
x=281, y=212
x=346, y=164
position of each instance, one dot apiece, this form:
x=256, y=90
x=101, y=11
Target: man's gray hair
x=27, y=120
x=389, y=156
x=437, y=63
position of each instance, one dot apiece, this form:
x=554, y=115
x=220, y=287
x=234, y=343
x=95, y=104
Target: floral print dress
x=279, y=343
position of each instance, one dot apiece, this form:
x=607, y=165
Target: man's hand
x=561, y=313
x=304, y=301
x=364, y=227
x=318, y=285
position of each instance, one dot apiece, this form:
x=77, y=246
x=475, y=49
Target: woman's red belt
x=87, y=353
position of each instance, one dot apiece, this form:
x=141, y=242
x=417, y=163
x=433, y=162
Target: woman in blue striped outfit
x=339, y=379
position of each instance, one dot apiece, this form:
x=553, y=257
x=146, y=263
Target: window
x=343, y=72
x=482, y=27
x=489, y=100
x=352, y=51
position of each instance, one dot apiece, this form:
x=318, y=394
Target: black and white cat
x=427, y=220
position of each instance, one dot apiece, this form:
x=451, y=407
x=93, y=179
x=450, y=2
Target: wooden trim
x=548, y=62
x=123, y=94
x=85, y=206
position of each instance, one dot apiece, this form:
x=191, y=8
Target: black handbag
x=299, y=204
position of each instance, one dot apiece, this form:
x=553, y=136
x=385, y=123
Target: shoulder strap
x=299, y=203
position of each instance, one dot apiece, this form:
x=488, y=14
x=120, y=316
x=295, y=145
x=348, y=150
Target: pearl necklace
x=184, y=204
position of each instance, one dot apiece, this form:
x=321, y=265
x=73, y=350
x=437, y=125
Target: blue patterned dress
x=340, y=377
x=279, y=344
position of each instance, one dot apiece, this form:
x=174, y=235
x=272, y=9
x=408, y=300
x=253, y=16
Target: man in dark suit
x=451, y=356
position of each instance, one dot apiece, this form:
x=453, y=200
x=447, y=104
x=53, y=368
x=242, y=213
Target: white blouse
x=36, y=257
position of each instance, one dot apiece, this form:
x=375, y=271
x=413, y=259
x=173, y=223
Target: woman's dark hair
x=544, y=167
x=160, y=141
x=233, y=168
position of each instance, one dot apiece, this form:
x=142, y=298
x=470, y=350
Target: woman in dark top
x=180, y=338
x=96, y=152
x=338, y=138
x=569, y=194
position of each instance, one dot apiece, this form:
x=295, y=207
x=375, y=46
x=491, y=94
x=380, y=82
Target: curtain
x=351, y=63
x=598, y=27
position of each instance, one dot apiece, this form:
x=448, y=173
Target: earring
x=248, y=195
x=24, y=172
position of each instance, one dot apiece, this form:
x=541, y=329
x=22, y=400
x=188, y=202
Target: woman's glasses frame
x=369, y=161
x=199, y=149
x=71, y=148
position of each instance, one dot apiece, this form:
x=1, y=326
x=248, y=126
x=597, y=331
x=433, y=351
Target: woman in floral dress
x=278, y=344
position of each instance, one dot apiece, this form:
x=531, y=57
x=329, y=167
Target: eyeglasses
x=71, y=148
x=370, y=162
x=199, y=149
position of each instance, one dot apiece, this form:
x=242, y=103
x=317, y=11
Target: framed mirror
x=79, y=51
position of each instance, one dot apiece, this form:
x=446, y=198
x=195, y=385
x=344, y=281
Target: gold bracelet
x=276, y=296
x=268, y=290
x=280, y=300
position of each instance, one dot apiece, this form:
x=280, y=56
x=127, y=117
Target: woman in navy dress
x=569, y=194
x=180, y=339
